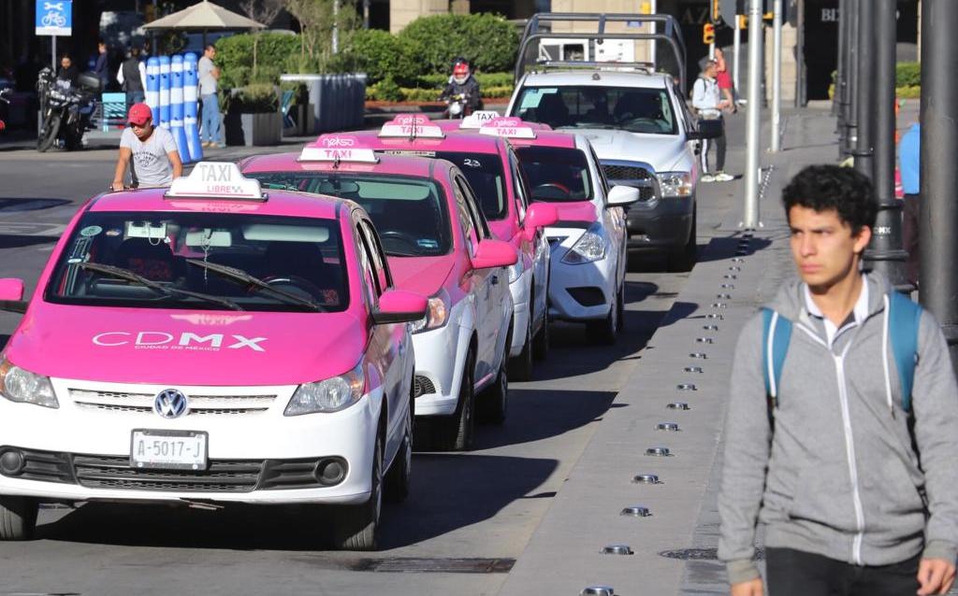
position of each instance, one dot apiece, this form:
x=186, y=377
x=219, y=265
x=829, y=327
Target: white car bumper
x=583, y=291
x=255, y=455
x=440, y=354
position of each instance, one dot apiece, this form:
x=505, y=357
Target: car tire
x=606, y=331
x=357, y=526
x=456, y=432
x=540, y=343
x=494, y=403
x=520, y=367
x=620, y=304
x=684, y=258
x=18, y=518
x=398, y=478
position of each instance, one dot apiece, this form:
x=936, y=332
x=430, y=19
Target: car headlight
x=331, y=395
x=675, y=184
x=22, y=386
x=588, y=248
x=515, y=271
x=437, y=313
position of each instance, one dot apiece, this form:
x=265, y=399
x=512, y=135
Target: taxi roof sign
x=411, y=126
x=509, y=127
x=216, y=180
x=337, y=149
x=478, y=118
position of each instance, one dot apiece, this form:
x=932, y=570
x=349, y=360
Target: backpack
x=903, y=322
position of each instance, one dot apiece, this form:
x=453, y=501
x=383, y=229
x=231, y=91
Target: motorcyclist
x=463, y=83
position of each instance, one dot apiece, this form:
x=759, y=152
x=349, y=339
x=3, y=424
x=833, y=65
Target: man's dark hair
x=209, y=46
x=828, y=187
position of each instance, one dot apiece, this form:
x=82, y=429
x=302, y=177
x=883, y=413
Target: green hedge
x=234, y=55
x=429, y=88
x=908, y=74
x=488, y=41
x=381, y=55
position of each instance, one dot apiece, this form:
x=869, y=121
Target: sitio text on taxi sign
x=215, y=180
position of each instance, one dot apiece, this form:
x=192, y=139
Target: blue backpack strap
x=776, y=335
x=904, y=318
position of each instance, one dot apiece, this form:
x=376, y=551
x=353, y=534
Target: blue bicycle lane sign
x=54, y=17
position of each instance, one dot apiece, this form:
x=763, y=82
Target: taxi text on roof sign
x=509, y=127
x=411, y=126
x=337, y=148
x=478, y=118
x=216, y=180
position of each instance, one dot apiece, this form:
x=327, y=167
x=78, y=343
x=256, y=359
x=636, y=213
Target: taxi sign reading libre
x=509, y=127
x=411, y=125
x=338, y=148
x=478, y=118
x=216, y=180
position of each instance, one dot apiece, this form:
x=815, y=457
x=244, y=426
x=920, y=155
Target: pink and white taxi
x=439, y=245
x=491, y=167
x=211, y=343
x=587, y=273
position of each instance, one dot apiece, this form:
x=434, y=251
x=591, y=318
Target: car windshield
x=643, y=110
x=202, y=261
x=556, y=174
x=409, y=213
x=484, y=173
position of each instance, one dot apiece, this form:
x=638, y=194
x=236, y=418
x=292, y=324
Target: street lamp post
x=865, y=90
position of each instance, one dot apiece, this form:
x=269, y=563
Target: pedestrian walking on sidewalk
x=209, y=73
x=132, y=78
x=840, y=432
x=708, y=105
x=148, y=150
x=908, y=159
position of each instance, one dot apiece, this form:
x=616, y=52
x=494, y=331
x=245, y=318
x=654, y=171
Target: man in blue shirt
x=908, y=158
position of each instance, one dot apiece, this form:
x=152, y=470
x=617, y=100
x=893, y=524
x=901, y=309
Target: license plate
x=168, y=449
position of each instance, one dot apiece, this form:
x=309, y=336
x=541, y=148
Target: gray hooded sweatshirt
x=839, y=477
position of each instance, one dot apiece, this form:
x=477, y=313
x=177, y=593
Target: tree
x=261, y=11
x=317, y=19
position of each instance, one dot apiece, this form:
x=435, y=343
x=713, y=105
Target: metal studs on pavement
x=686, y=387
x=705, y=340
x=710, y=327
x=617, y=549
x=728, y=287
x=693, y=369
x=719, y=305
x=713, y=315
x=658, y=452
x=669, y=426
x=636, y=511
x=732, y=275
x=597, y=591
x=699, y=355
x=678, y=405
x=738, y=260
x=723, y=296
x=734, y=268
x=646, y=479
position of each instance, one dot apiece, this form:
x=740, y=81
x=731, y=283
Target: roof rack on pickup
x=540, y=27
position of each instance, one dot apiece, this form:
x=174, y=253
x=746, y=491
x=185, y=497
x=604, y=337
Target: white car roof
x=607, y=78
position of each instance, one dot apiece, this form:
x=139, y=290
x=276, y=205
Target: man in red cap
x=150, y=152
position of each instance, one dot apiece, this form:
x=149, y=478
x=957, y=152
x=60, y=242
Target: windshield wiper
x=244, y=277
x=166, y=291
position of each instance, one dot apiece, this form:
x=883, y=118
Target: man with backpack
x=841, y=435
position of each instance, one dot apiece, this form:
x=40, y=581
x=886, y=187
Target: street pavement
x=530, y=510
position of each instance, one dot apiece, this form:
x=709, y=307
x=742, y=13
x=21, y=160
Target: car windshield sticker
x=532, y=96
x=91, y=231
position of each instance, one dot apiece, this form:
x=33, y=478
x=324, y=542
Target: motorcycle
x=457, y=105
x=67, y=111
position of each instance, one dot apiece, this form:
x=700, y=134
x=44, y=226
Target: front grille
x=588, y=295
x=142, y=403
x=422, y=386
x=617, y=172
x=95, y=471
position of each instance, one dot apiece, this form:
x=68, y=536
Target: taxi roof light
x=216, y=180
x=508, y=127
x=411, y=126
x=478, y=118
x=337, y=149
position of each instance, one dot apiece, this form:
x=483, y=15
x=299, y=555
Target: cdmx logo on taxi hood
x=184, y=341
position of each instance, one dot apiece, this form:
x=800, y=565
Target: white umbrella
x=204, y=16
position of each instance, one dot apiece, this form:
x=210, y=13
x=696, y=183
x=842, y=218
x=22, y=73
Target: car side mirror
x=400, y=306
x=622, y=195
x=494, y=253
x=538, y=216
x=11, y=295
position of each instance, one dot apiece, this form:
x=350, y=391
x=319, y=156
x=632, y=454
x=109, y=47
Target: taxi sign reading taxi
x=411, y=125
x=54, y=17
x=478, y=118
x=336, y=148
x=509, y=127
x=215, y=180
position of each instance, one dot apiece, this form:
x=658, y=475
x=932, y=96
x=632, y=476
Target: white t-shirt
x=150, y=161
x=205, y=73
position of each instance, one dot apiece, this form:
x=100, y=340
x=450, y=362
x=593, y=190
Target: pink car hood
x=577, y=211
x=423, y=275
x=181, y=347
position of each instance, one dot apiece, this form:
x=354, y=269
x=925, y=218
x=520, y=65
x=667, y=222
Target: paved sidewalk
x=674, y=547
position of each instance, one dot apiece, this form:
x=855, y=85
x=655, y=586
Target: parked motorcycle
x=67, y=111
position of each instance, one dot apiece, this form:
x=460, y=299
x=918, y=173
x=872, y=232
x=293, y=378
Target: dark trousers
x=909, y=232
x=719, y=143
x=795, y=573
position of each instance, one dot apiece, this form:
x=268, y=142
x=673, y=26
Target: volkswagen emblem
x=171, y=403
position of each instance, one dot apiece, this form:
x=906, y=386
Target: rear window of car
x=555, y=174
x=635, y=109
x=410, y=214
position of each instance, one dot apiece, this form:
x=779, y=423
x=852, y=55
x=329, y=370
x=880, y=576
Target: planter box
x=253, y=129
x=337, y=100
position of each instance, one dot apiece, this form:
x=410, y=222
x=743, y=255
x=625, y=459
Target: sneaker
x=706, y=178
x=723, y=177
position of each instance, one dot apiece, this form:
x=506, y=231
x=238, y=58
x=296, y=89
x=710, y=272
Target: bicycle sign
x=54, y=17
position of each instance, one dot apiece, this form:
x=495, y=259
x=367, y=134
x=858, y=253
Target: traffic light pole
x=737, y=51
x=938, y=284
x=753, y=126
x=885, y=253
x=865, y=90
x=775, y=146
x=851, y=64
